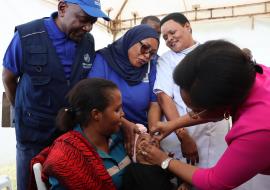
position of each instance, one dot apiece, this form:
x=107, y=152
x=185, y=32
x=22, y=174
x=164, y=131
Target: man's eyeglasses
x=194, y=114
x=145, y=49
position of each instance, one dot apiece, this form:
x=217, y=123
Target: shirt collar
x=186, y=51
x=52, y=28
x=112, y=141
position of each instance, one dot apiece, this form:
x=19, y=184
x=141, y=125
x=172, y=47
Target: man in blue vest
x=45, y=58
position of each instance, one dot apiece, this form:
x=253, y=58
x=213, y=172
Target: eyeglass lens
x=146, y=49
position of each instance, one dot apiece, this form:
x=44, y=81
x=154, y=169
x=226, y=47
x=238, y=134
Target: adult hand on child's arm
x=129, y=129
x=163, y=129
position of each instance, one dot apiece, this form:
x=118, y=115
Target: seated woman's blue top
x=137, y=98
x=115, y=162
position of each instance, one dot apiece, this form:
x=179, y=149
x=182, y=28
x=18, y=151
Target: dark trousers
x=23, y=159
x=146, y=177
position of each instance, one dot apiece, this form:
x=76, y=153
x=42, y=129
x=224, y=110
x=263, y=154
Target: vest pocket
x=41, y=92
x=38, y=120
x=36, y=59
x=40, y=80
x=35, y=127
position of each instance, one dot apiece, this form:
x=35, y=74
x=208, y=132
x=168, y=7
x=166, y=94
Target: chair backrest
x=5, y=182
x=37, y=167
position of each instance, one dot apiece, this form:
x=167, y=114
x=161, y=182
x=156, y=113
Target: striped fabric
x=116, y=161
x=76, y=164
x=121, y=165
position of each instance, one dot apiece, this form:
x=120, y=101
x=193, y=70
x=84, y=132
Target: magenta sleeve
x=245, y=157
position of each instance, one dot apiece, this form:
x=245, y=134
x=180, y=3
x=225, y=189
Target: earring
x=226, y=115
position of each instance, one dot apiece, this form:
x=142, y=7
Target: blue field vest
x=42, y=87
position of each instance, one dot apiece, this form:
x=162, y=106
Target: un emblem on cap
x=97, y=2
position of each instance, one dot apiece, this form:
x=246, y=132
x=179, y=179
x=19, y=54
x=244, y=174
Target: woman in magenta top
x=218, y=80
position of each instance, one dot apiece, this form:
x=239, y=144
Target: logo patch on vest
x=97, y=2
x=86, y=64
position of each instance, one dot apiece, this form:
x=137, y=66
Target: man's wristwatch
x=165, y=163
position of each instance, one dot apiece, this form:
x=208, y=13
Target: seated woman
x=127, y=62
x=91, y=154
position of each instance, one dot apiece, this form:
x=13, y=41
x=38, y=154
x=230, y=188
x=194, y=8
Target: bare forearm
x=126, y=122
x=154, y=114
x=182, y=170
x=128, y=129
x=171, y=113
x=168, y=106
x=11, y=93
x=183, y=121
x=10, y=85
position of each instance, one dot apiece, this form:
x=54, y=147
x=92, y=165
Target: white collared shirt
x=209, y=137
x=164, y=80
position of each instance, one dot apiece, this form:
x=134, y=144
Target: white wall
x=238, y=31
x=241, y=33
